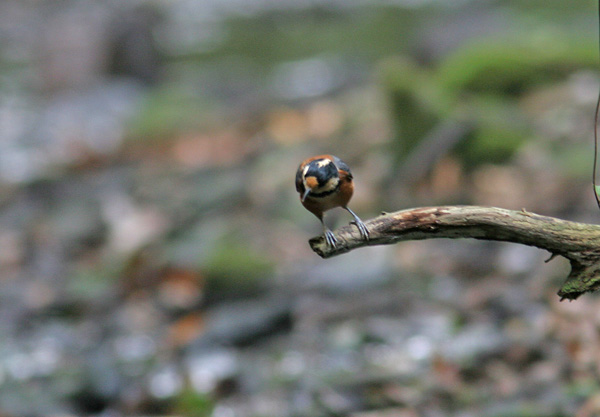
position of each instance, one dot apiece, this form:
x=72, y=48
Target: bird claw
x=362, y=228
x=330, y=238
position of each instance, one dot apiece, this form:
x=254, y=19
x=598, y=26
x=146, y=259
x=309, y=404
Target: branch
x=578, y=242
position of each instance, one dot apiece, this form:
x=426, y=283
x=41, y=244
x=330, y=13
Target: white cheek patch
x=329, y=185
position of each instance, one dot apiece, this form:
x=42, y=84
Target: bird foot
x=330, y=238
x=362, y=228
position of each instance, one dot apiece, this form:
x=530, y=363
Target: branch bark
x=578, y=242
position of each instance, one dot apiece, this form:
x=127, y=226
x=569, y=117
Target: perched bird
x=325, y=182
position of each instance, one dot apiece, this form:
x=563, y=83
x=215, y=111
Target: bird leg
x=362, y=228
x=329, y=236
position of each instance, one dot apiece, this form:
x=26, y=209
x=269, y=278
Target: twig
x=578, y=242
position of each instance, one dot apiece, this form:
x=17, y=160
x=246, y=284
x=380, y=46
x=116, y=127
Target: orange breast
x=319, y=205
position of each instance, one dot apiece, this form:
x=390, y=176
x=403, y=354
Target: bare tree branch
x=578, y=242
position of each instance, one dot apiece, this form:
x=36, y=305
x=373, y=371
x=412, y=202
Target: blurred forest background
x=153, y=251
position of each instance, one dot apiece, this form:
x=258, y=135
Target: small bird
x=325, y=182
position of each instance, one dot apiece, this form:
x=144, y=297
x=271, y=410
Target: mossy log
x=578, y=242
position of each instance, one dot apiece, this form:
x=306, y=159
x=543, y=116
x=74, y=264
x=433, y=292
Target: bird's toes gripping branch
x=330, y=238
x=362, y=228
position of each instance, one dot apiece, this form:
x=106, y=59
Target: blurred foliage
x=190, y=403
x=509, y=67
x=528, y=410
x=246, y=54
x=88, y=283
x=555, y=8
x=414, y=109
x=480, y=82
x=500, y=129
x=583, y=388
x=235, y=268
x=285, y=35
x=166, y=110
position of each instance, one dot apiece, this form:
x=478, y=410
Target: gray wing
x=342, y=165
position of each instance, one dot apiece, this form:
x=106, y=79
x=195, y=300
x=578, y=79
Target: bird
x=325, y=182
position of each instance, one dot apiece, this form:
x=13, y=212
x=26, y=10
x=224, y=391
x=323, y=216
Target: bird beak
x=305, y=194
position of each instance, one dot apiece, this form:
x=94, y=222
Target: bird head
x=320, y=176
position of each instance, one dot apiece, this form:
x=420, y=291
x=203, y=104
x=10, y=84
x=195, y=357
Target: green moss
x=500, y=130
x=512, y=66
x=480, y=81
